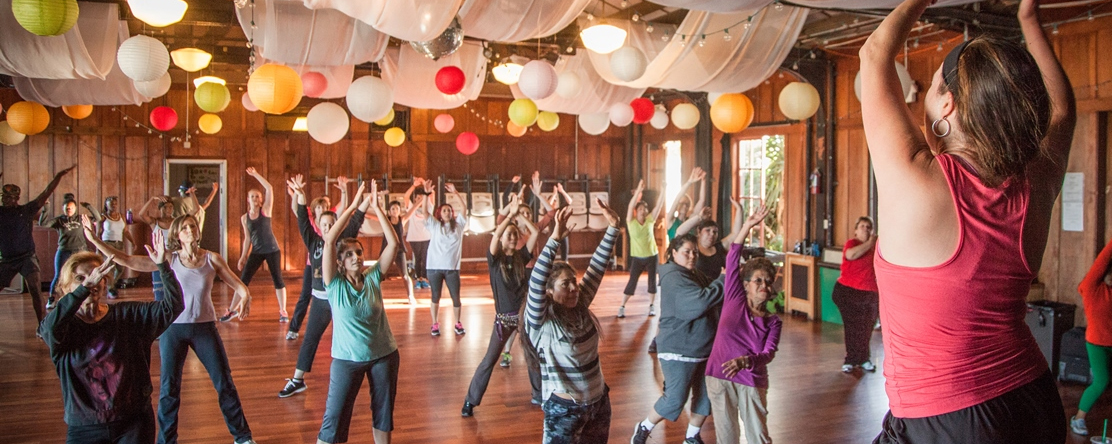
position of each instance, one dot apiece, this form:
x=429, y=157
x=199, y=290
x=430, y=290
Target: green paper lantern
x=548, y=121
x=45, y=17
x=523, y=112
x=212, y=97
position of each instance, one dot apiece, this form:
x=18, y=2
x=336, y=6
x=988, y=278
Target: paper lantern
x=628, y=64
x=154, y=88
x=713, y=96
x=444, y=123
x=210, y=123
x=568, y=85
x=548, y=121
x=901, y=71
x=212, y=97
x=394, y=136
x=643, y=110
x=313, y=84
x=275, y=89
x=685, y=116
x=247, y=103
x=370, y=98
x=515, y=129
x=450, y=80
x=621, y=114
x=523, y=112
x=467, y=143
x=190, y=59
x=660, y=118
x=594, y=123
x=158, y=13
x=799, y=101
x=9, y=136
x=45, y=17
x=732, y=113
x=143, y=58
x=28, y=118
x=386, y=120
x=327, y=122
x=78, y=112
x=538, y=80
x=164, y=118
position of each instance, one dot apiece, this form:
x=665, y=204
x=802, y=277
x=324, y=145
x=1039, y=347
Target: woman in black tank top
x=259, y=244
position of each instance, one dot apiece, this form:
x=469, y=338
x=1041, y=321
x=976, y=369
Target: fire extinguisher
x=815, y=179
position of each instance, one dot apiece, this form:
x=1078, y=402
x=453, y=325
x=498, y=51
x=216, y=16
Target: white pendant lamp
x=507, y=72
x=191, y=59
x=158, y=13
x=603, y=38
x=208, y=79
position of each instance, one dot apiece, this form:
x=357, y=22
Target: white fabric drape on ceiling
x=87, y=51
x=517, y=20
x=750, y=5
x=596, y=95
x=413, y=76
x=339, y=77
x=746, y=60
x=413, y=20
x=289, y=32
x=115, y=89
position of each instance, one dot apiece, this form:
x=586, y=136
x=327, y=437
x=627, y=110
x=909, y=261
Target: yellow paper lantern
x=394, y=136
x=275, y=89
x=515, y=129
x=212, y=97
x=685, y=116
x=386, y=120
x=548, y=121
x=8, y=136
x=799, y=101
x=523, y=112
x=732, y=113
x=28, y=118
x=210, y=123
x=78, y=112
x=45, y=17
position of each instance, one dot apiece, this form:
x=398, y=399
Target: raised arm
x=537, y=192
x=560, y=189
x=536, y=305
x=328, y=265
x=389, y=236
x=212, y=195
x=342, y=183
x=753, y=220
x=605, y=249
x=451, y=188
x=702, y=202
x=155, y=317
x=145, y=210
x=137, y=262
x=534, y=233
x=1063, y=112
x=93, y=211
x=241, y=302
x=697, y=174
x=496, y=239
x=1095, y=277
x=295, y=186
x=690, y=223
x=40, y=200
x=54, y=328
x=634, y=200
x=658, y=207
x=511, y=189
x=860, y=250
x=45, y=221
x=268, y=191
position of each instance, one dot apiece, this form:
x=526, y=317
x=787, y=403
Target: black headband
x=950, y=64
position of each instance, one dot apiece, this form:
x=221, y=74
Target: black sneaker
x=694, y=440
x=640, y=434
x=468, y=409
x=292, y=387
x=50, y=303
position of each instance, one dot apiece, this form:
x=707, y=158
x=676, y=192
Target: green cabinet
x=828, y=275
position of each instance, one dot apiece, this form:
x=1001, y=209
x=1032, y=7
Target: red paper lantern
x=313, y=84
x=467, y=143
x=164, y=118
x=450, y=80
x=643, y=110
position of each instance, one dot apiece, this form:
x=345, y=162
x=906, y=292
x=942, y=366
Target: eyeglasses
x=759, y=281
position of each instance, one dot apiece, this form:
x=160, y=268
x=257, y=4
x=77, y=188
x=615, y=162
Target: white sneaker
x=622, y=311
x=1078, y=426
x=652, y=310
x=291, y=335
x=250, y=441
x=868, y=366
x=847, y=368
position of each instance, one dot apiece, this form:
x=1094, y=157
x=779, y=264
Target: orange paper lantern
x=28, y=118
x=275, y=89
x=515, y=129
x=732, y=113
x=78, y=112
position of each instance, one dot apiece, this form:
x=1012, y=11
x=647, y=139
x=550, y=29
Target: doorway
x=203, y=173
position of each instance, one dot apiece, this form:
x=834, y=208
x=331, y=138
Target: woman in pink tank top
x=967, y=204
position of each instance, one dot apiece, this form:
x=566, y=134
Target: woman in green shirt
x=640, y=223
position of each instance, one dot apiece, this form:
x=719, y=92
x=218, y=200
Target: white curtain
x=517, y=20
x=413, y=76
x=739, y=64
x=289, y=32
x=87, y=51
x=596, y=95
x=413, y=20
x=749, y=5
x=115, y=89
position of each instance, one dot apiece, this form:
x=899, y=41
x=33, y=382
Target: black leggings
x=420, y=254
x=859, y=310
x=399, y=259
x=320, y=316
x=636, y=266
x=303, y=299
x=437, y=277
x=138, y=429
x=273, y=263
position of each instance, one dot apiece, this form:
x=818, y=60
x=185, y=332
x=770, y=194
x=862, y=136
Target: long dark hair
x=451, y=223
x=577, y=321
x=678, y=241
x=512, y=267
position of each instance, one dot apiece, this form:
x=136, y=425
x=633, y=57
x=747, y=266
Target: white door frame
x=223, y=191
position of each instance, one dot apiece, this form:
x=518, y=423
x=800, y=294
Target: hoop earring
x=934, y=127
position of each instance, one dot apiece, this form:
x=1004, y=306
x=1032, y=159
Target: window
x=759, y=174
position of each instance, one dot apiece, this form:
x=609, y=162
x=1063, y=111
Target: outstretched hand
x=611, y=215
x=297, y=184
x=252, y=171
x=88, y=227
x=157, y=249
x=757, y=217
x=561, y=229
x=513, y=205
x=94, y=277
x=697, y=174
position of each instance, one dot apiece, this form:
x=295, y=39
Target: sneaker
x=622, y=312
x=468, y=409
x=535, y=402
x=694, y=440
x=506, y=358
x=283, y=319
x=847, y=368
x=436, y=329
x=228, y=316
x=249, y=441
x=640, y=434
x=50, y=303
x=868, y=366
x=459, y=329
x=292, y=388
x=652, y=310
x=1078, y=426
x=291, y=335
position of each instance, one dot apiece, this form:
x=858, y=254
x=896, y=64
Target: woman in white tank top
x=112, y=229
x=160, y=223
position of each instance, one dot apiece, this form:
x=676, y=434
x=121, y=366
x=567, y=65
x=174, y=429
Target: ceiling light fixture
x=191, y=59
x=509, y=70
x=301, y=124
x=158, y=13
x=602, y=37
x=207, y=79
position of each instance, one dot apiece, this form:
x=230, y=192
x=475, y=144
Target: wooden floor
x=810, y=400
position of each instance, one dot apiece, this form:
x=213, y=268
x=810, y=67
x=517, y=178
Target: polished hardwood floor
x=810, y=400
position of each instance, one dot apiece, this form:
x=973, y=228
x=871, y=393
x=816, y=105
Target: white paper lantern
x=327, y=122
x=685, y=116
x=628, y=64
x=799, y=100
x=568, y=85
x=595, y=123
x=9, y=136
x=621, y=114
x=905, y=81
x=155, y=88
x=247, y=103
x=538, y=80
x=370, y=98
x=143, y=58
x=660, y=118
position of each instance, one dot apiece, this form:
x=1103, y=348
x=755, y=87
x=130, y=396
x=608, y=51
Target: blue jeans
x=156, y=284
x=568, y=422
x=60, y=258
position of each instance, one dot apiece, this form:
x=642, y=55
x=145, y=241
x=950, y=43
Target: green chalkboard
x=827, y=277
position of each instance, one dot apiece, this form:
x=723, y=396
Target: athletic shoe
x=640, y=434
x=868, y=366
x=228, y=316
x=535, y=402
x=459, y=329
x=283, y=319
x=468, y=409
x=50, y=303
x=291, y=335
x=694, y=440
x=652, y=310
x=847, y=368
x=506, y=358
x=621, y=312
x=436, y=329
x=249, y=441
x=292, y=388
x=1078, y=426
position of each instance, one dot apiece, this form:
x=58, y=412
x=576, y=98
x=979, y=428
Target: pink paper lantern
x=247, y=103
x=643, y=110
x=467, y=143
x=164, y=118
x=313, y=84
x=444, y=123
x=450, y=80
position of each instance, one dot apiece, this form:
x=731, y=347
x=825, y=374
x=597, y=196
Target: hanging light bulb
x=779, y=6
x=703, y=41
x=191, y=59
x=509, y=70
x=603, y=37
x=940, y=47
x=726, y=35
x=665, y=37
x=1055, y=30
x=649, y=28
x=683, y=40
x=636, y=17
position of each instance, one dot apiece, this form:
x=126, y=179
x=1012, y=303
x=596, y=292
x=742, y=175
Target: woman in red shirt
x=1096, y=295
x=856, y=296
